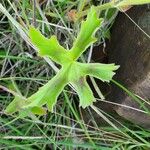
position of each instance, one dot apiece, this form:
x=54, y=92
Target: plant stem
x=98, y=8
x=114, y=4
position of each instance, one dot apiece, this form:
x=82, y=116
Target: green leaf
x=83, y=90
x=38, y=110
x=75, y=71
x=48, y=47
x=15, y=105
x=86, y=35
x=71, y=72
x=49, y=93
x=104, y=72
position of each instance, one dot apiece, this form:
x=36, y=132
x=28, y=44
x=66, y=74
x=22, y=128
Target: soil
x=130, y=48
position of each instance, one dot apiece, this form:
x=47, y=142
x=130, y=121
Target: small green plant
x=71, y=72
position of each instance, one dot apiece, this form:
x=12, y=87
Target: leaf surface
x=104, y=72
x=48, y=47
x=71, y=71
x=86, y=35
x=48, y=93
x=84, y=92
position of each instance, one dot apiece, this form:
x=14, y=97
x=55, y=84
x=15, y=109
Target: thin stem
x=98, y=8
x=34, y=13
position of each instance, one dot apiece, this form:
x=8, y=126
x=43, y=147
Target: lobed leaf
x=104, y=72
x=86, y=34
x=75, y=71
x=71, y=72
x=49, y=93
x=84, y=92
x=48, y=47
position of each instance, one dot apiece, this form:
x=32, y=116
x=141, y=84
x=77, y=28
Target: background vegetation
x=22, y=71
